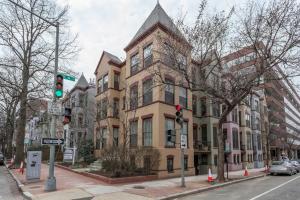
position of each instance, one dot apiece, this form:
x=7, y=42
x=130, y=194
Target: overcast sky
x=110, y=24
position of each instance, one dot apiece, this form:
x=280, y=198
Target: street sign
x=53, y=141
x=183, y=142
x=69, y=77
x=54, y=108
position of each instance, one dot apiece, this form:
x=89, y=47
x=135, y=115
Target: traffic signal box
x=59, y=86
x=67, y=115
x=179, y=114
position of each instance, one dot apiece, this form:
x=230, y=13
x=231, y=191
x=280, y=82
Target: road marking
x=262, y=194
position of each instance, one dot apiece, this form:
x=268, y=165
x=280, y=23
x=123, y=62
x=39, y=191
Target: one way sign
x=53, y=141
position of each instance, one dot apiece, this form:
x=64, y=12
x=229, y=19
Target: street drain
x=139, y=187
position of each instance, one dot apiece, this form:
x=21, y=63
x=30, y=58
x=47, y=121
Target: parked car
x=296, y=164
x=1, y=159
x=282, y=167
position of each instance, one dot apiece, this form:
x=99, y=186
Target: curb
x=195, y=191
x=26, y=195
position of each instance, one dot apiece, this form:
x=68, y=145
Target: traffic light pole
x=182, y=159
x=50, y=184
x=51, y=181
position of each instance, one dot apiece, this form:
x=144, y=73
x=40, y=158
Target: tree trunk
x=22, y=117
x=221, y=177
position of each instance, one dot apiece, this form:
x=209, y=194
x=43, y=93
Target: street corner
x=71, y=194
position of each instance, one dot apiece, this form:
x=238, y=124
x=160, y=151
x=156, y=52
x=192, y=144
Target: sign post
x=54, y=108
x=183, y=145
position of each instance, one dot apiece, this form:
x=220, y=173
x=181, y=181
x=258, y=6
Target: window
x=238, y=158
x=240, y=118
x=170, y=163
x=147, y=92
x=170, y=125
x=105, y=82
x=103, y=136
x=204, y=134
x=204, y=159
x=116, y=108
x=169, y=91
x=186, y=163
x=133, y=133
x=182, y=63
x=103, y=108
x=100, y=83
x=256, y=106
x=235, y=138
x=134, y=64
x=134, y=97
x=203, y=107
x=249, y=144
x=258, y=142
x=117, y=81
x=247, y=118
x=147, y=132
x=234, y=158
x=215, y=136
x=148, y=57
x=169, y=55
x=124, y=102
x=234, y=116
x=194, y=105
x=81, y=100
x=184, y=131
x=73, y=101
x=216, y=109
x=257, y=124
x=115, y=136
x=183, y=97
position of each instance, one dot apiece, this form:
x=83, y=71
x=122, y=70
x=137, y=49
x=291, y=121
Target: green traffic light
x=58, y=93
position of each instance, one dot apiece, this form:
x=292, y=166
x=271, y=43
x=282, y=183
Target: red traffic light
x=178, y=107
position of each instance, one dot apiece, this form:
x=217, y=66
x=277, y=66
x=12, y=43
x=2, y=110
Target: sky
x=110, y=24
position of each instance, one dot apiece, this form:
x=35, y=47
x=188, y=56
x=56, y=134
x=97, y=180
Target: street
x=267, y=188
x=8, y=187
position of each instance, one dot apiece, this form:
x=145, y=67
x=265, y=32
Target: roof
x=157, y=16
x=112, y=58
x=82, y=82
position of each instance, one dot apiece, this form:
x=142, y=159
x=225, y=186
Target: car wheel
x=291, y=173
x=271, y=174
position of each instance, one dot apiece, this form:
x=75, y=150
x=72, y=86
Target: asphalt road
x=8, y=187
x=267, y=188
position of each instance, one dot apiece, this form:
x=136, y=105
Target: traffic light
x=171, y=137
x=67, y=115
x=59, y=86
x=179, y=114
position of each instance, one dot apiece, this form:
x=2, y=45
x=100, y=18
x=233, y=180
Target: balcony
x=204, y=146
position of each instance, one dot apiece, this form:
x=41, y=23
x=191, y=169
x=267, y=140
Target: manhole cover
x=35, y=187
x=139, y=187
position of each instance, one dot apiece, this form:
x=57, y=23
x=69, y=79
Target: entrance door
x=196, y=164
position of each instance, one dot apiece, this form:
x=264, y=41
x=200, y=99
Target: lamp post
x=51, y=180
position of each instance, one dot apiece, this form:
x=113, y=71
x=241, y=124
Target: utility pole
x=50, y=184
x=51, y=180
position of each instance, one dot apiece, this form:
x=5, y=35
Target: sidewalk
x=75, y=186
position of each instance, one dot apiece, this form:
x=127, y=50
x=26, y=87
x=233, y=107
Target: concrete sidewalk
x=71, y=185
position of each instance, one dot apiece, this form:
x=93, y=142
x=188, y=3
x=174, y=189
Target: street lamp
x=51, y=180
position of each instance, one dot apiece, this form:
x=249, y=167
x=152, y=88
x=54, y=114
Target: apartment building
x=130, y=102
x=81, y=102
x=280, y=129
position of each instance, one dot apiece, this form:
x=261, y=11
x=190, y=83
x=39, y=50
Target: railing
x=202, y=146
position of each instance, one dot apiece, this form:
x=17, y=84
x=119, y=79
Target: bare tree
x=269, y=30
x=28, y=46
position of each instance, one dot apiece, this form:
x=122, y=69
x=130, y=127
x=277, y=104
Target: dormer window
x=148, y=56
x=134, y=64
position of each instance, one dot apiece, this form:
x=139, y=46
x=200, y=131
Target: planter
x=121, y=180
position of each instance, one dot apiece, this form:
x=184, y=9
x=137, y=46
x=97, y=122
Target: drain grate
x=139, y=187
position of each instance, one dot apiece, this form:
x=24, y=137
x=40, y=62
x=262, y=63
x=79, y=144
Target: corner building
x=130, y=102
